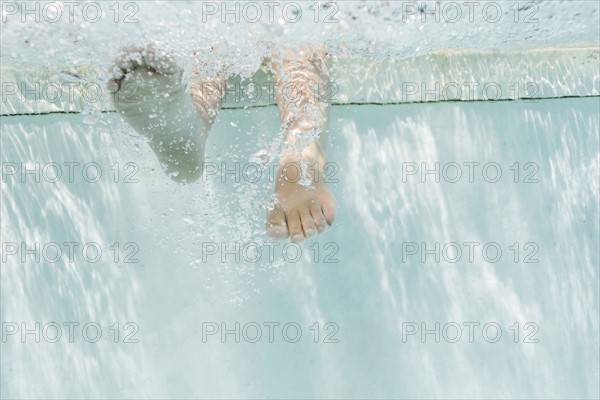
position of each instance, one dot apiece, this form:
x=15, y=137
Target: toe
x=329, y=208
x=308, y=223
x=295, y=226
x=160, y=61
x=129, y=59
x=319, y=218
x=276, y=226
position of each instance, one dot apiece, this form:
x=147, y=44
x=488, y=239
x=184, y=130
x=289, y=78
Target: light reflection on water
x=377, y=28
x=369, y=293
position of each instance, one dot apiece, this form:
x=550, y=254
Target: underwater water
x=463, y=262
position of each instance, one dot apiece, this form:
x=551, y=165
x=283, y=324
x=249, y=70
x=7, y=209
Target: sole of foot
x=148, y=93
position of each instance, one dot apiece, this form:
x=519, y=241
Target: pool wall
x=364, y=283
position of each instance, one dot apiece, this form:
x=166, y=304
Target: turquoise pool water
x=367, y=299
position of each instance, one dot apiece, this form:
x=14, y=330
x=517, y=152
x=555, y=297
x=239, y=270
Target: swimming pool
x=463, y=262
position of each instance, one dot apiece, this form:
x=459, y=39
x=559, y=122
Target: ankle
x=312, y=159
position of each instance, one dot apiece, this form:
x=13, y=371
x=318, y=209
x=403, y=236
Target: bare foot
x=304, y=204
x=149, y=95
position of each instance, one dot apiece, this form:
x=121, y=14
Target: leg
x=304, y=207
x=148, y=93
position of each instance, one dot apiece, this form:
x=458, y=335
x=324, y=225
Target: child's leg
x=302, y=209
x=148, y=93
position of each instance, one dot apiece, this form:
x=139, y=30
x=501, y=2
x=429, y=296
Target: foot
x=304, y=204
x=148, y=93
